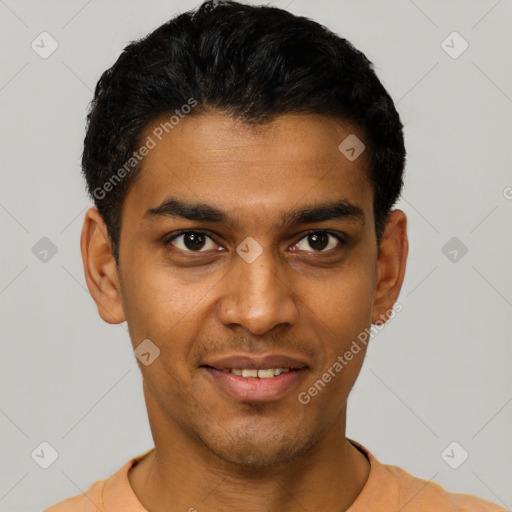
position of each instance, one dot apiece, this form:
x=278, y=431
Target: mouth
x=253, y=373
x=255, y=384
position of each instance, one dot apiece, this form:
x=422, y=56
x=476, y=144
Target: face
x=246, y=248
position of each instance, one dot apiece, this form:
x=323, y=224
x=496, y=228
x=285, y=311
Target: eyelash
x=341, y=238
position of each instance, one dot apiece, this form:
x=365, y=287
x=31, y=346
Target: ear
x=391, y=264
x=100, y=268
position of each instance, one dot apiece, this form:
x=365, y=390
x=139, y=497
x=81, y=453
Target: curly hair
x=250, y=62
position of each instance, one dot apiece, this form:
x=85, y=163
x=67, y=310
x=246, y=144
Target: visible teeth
x=249, y=373
x=262, y=374
x=265, y=374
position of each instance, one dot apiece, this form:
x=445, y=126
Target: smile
x=251, y=384
x=260, y=374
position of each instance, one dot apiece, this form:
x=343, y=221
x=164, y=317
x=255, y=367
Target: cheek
x=343, y=308
x=344, y=301
x=163, y=305
x=342, y=312
x=157, y=292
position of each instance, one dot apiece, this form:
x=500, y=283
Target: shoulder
x=419, y=494
x=91, y=501
x=102, y=495
x=391, y=488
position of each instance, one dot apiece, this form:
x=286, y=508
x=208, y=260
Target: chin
x=253, y=454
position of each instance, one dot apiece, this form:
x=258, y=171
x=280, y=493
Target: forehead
x=249, y=170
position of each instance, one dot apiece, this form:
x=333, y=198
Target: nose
x=258, y=295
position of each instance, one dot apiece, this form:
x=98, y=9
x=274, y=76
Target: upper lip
x=255, y=362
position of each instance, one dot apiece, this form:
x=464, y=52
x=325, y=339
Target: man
x=244, y=163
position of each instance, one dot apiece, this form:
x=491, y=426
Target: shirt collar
x=380, y=493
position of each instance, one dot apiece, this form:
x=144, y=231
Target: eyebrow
x=204, y=212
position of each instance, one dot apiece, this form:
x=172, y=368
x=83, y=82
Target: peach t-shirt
x=388, y=489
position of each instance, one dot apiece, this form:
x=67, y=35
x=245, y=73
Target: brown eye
x=192, y=241
x=319, y=241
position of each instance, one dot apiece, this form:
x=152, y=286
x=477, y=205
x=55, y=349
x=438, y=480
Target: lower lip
x=256, y=389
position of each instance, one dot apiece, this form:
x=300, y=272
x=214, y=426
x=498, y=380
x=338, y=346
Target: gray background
x=439, y=372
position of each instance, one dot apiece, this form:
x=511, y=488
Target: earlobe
x=100, y=268
x=391, y=265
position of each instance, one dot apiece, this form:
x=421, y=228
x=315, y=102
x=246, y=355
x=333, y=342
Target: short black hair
x=250, y=62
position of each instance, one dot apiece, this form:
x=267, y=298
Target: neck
x=182, y=471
